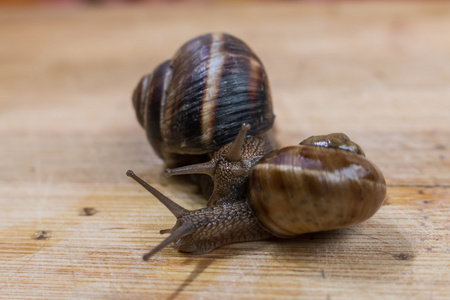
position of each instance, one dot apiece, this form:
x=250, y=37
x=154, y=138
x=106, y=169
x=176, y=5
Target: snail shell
x=196, y=102
x=302, y=189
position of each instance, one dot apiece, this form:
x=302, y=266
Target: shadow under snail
x=193, y=106
x=323, y=183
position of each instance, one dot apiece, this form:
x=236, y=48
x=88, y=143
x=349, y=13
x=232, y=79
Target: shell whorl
x=148, y=101
x=302, y=189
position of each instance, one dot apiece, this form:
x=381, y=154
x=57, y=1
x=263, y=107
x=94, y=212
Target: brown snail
x=195, y=103
x=322, y=184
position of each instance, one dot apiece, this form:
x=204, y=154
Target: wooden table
x=379, y=72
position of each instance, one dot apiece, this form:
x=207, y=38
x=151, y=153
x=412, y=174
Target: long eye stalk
x=174, y=208
x=177, y=211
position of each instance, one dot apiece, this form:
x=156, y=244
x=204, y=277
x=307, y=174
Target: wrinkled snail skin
x=230, y=166
x=196, y=102
x=231, y=177
x=293, y=190
x=218, y=226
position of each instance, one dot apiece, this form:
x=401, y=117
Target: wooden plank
x=377, y=71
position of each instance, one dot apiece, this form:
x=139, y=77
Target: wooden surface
x=379, y=72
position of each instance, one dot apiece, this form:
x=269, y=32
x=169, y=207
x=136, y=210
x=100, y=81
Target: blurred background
x=78, y=2
x=62, y=2
x=65, y=2
x=378, y=71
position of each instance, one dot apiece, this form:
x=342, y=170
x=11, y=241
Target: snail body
x=293, y=190
x=230, y=166
x=195, y=103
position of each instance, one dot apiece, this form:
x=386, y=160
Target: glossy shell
x=303, y=189
x=196, y=102
x=334, y=140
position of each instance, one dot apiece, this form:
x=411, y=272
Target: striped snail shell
x=315, y=188
x=196, y=102
x=293, y=190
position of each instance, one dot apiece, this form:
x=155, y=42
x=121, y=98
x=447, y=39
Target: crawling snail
x=193, y=105
x=322, y=184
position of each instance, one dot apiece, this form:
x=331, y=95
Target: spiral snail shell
x=322, y=184
x=314, y=188
x=196, y=102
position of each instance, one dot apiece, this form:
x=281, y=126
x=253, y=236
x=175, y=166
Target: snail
x=194, y=104
x=192, y=107
x=323, y=183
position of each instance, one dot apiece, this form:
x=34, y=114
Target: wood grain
x=379, y=72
